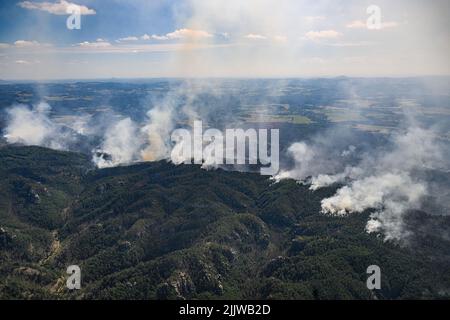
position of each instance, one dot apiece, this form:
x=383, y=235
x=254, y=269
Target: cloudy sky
x=223, y=38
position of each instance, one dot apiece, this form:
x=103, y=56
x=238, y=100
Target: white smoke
x=351, y=149
x=121, y=145
x=114, y=140
x=384, y=180
x=33, y=126
x=390, y=194
x=320, y=156
x=158, y=130
x=125, y=142
x=304, y=157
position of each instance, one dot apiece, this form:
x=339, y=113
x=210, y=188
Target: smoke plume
x=386, y=180
x=121, y=145
x=158, y=131
x=33, y=126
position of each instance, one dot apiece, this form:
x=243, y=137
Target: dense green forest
x=159, y=231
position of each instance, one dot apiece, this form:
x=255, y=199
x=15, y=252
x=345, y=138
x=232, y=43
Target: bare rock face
x=182, y=283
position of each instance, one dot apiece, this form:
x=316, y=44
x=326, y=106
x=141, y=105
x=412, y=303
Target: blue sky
x=113, y=19
x=219, y=38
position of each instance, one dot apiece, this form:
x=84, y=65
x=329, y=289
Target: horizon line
x=227, y=78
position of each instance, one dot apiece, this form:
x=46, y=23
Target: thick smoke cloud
x=121, y=145
x=326, y=152
x=157, y=130
x=120, y=140
x=113, y=139
x=33, y=126
x=386, y=180
x=389, y=180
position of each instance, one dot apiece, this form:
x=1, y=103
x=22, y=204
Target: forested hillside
x=159, y=231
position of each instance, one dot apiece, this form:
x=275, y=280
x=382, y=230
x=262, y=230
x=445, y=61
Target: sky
x=223, y=38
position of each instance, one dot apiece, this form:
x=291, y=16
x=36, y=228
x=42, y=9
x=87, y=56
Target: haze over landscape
x=88, y=174
x=223, y=39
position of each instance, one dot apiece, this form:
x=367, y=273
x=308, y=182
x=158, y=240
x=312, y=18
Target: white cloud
x=132, y=38
x=100, y=43
x=57, y=8
x=22, y=62
x=324, y=34
x=253, y=36
x=293, y=19
x=188, y=33
x=26, y=43
x=156, y=37
x=359, y=24
x=25, y=46
x=183, y=34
